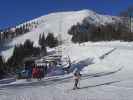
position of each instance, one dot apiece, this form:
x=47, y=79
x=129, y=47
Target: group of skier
x=37, y=72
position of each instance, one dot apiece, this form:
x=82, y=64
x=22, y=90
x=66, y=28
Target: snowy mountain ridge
x=92, y=16
x=61, y=22
x=57, y=23
x=42, y=18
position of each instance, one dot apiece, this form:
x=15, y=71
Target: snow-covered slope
x=108, y=78
x=61, y=22
x=58, y=23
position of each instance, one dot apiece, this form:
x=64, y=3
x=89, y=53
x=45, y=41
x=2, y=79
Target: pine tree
x=20, y=53
x=2, y=67
x=51, y=41
x=42, y=43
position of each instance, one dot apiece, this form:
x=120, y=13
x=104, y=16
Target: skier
x=77, y=76
x=41, y=72
x=34, y=72
x=38, y=73
x=45, y=69
x=29, y=69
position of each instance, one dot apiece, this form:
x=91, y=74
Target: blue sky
x=13, y=12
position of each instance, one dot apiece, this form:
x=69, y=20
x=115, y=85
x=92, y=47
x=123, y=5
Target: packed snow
x=103, y=78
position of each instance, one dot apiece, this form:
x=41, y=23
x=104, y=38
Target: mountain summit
x=57, y=23
x=61, y=22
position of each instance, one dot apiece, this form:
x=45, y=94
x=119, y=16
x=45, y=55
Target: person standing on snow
x=34, y=72
x=77, y=76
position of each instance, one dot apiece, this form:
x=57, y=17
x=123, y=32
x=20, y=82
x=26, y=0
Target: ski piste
x=107, y=76
x=57, y=79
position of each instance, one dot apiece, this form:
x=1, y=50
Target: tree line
x=11, y=32
x=89, y=32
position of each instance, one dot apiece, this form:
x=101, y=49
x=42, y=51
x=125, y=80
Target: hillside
x=57, y=23
x=61, y=22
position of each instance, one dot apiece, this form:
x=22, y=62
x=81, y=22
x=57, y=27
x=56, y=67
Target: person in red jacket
x=34, y=72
